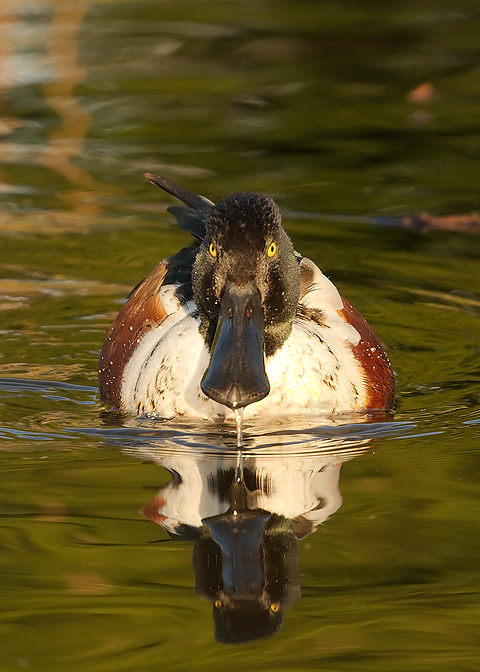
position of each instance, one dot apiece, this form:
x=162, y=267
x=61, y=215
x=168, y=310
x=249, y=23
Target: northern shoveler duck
x=239, y=319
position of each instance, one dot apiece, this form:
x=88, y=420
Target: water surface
x=319, y=106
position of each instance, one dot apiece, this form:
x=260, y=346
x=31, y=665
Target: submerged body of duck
x=239, y=319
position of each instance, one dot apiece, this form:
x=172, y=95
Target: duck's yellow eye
x=212, y=249
x=274, y=607
x=272, y=250
x=218, y=604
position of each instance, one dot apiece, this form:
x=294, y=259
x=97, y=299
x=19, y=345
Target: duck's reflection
x=245, y=512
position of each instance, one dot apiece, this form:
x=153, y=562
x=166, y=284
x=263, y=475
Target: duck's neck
x=207, y=330
x=276, y=335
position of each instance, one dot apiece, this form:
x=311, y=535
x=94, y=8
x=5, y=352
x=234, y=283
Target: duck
x=239, y=319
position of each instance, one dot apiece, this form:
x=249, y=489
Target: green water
x=311, y=103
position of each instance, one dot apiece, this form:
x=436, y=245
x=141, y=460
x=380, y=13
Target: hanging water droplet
x=239, y=421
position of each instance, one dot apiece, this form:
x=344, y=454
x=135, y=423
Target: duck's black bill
x=236, y=374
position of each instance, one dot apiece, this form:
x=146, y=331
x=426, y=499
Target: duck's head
x=246, y=284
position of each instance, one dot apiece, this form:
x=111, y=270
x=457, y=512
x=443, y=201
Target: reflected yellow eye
x=272, y=250
x=274, y=607
x=212, y=249
x=218, y=603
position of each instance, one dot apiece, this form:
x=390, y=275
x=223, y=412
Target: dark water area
x=352, y=116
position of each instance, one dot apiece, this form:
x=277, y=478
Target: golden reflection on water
x=66, y=141
x=19, y=292
x=46, y=51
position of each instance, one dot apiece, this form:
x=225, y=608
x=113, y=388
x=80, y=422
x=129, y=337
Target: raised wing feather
x=190, y=218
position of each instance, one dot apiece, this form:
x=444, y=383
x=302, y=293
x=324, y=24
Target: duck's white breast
x=313, y=370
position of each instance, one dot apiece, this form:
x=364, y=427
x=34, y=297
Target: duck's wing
x=190, y=218
x=371, y=355
x=321, y=301
x=167, y=291
x=143, y=310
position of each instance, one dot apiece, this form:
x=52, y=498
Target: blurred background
x=358, y=118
